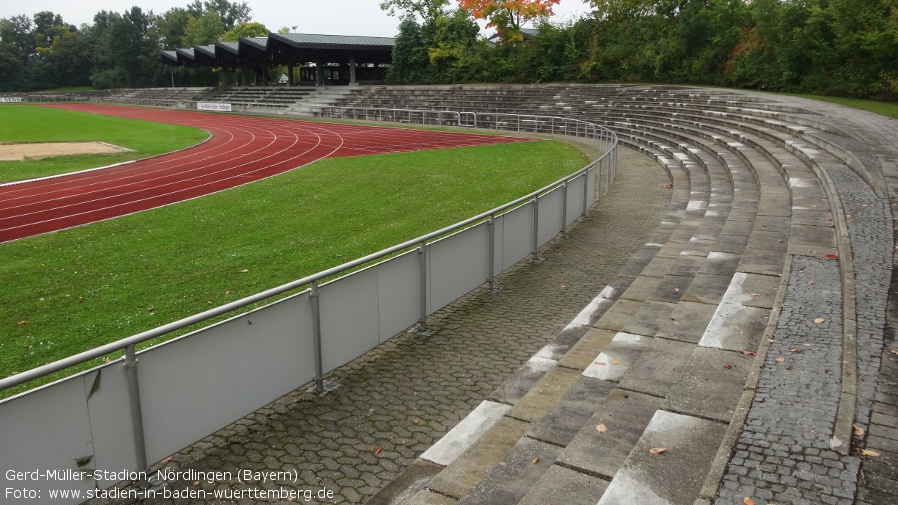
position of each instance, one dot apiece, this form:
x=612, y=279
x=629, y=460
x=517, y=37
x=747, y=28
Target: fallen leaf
x=601, y=428
x=771, y=340
x=858, y=430
x=728, y=366
x=868, y=452
x=780, y=359
x=244, y=271
x=227, y=293
x=748, y=501
x=600, y=363
x=616, y=362
x=749, y=353
x=779, y=241
x=563, y=286
x=23, y=322
x=535, y=461
x=196, y=483
x=756, y=294
x=377, y=451
x=892, y=350
x=832, y=256
x=819, y=320
x=668, y=186
x=793, y=350
x=657, y=450
x=811, y=283
x=209, y=302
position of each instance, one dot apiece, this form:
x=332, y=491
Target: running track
x=241, y=150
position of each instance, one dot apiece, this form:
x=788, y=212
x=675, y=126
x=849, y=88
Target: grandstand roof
x=283, y=49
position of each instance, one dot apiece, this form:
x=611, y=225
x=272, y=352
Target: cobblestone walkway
x=396, y=401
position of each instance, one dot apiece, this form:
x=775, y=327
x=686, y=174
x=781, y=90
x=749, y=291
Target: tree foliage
x=509, y=16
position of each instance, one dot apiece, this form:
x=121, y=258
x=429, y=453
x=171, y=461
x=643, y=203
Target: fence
x=98, y=427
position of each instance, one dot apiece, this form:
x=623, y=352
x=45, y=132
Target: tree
x=425, y=10
x=508, y=16
x=410, y=59
x=245, y=30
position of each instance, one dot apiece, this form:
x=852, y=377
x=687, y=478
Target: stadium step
x=661, y=360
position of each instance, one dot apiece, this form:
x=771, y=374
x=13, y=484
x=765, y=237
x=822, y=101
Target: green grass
x=29, y=123
x=70, y=291
x=889, y=109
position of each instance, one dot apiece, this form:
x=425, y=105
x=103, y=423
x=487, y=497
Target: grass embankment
x=889, y=109
x=30, y=123
x=70, y=291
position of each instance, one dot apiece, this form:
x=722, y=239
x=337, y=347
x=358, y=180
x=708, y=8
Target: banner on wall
x=10, y=99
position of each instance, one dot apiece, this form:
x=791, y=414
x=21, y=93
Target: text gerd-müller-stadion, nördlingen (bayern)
x=166, y=475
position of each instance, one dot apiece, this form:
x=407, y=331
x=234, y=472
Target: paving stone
x=688, y=322
x=651, y=316
x=565, y=419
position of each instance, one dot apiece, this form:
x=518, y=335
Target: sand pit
x=37, y=150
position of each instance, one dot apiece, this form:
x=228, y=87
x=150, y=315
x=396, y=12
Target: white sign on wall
x=10, y=99
x=226, y=107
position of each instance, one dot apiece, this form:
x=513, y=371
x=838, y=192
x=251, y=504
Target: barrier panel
x=109, y=423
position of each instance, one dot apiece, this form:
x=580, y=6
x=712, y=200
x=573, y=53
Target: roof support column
x=290, y=80
x=318, y=77
x=352, y=81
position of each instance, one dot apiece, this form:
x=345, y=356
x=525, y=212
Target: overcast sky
x=332, y=17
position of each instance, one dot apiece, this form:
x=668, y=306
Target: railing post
x=491, y=227
x=564, y=206
x=536, y=258
x=422, y=320
x=316, y=337
x=140, y=448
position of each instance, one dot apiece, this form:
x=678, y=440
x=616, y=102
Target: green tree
x=410, y=60
x=245, y=30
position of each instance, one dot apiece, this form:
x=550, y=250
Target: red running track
x=241, y=149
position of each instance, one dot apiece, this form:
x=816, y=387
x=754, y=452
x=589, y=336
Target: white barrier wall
x=196, y=384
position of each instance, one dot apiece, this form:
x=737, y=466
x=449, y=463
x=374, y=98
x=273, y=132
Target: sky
x=331, y=17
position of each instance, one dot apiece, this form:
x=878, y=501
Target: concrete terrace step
x=665, y=357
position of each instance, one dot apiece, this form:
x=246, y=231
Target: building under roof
x=321, y=58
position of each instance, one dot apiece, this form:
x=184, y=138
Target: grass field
x=70, y=291
x=30, y=123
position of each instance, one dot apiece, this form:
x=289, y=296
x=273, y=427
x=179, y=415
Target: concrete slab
x=567, y=417
x=561, y=485
x=544, y=394
x=671, y=288
x=465, y=433
x=520, y=383
x=673, y=477
x=812, y=217
x=510, y=480
x=650, y=318
x=731, y=243
x=643, y=288
x=688, y=322
x=659, y=367
x=721, y=263
x=582, y=354
x=699, y=248
x=426, y=497
x=735, y=326
x=659, y=267
x=616, y=359
x=625, y=414
x=407, y=485
x=707, y=288
x=469, y=468
x=619, y=315
x=711, y=384
x=815, y=237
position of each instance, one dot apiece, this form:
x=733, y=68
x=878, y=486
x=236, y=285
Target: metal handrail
x=603, y=133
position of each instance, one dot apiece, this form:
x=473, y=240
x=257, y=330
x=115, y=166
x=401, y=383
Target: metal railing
x=184, y=389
